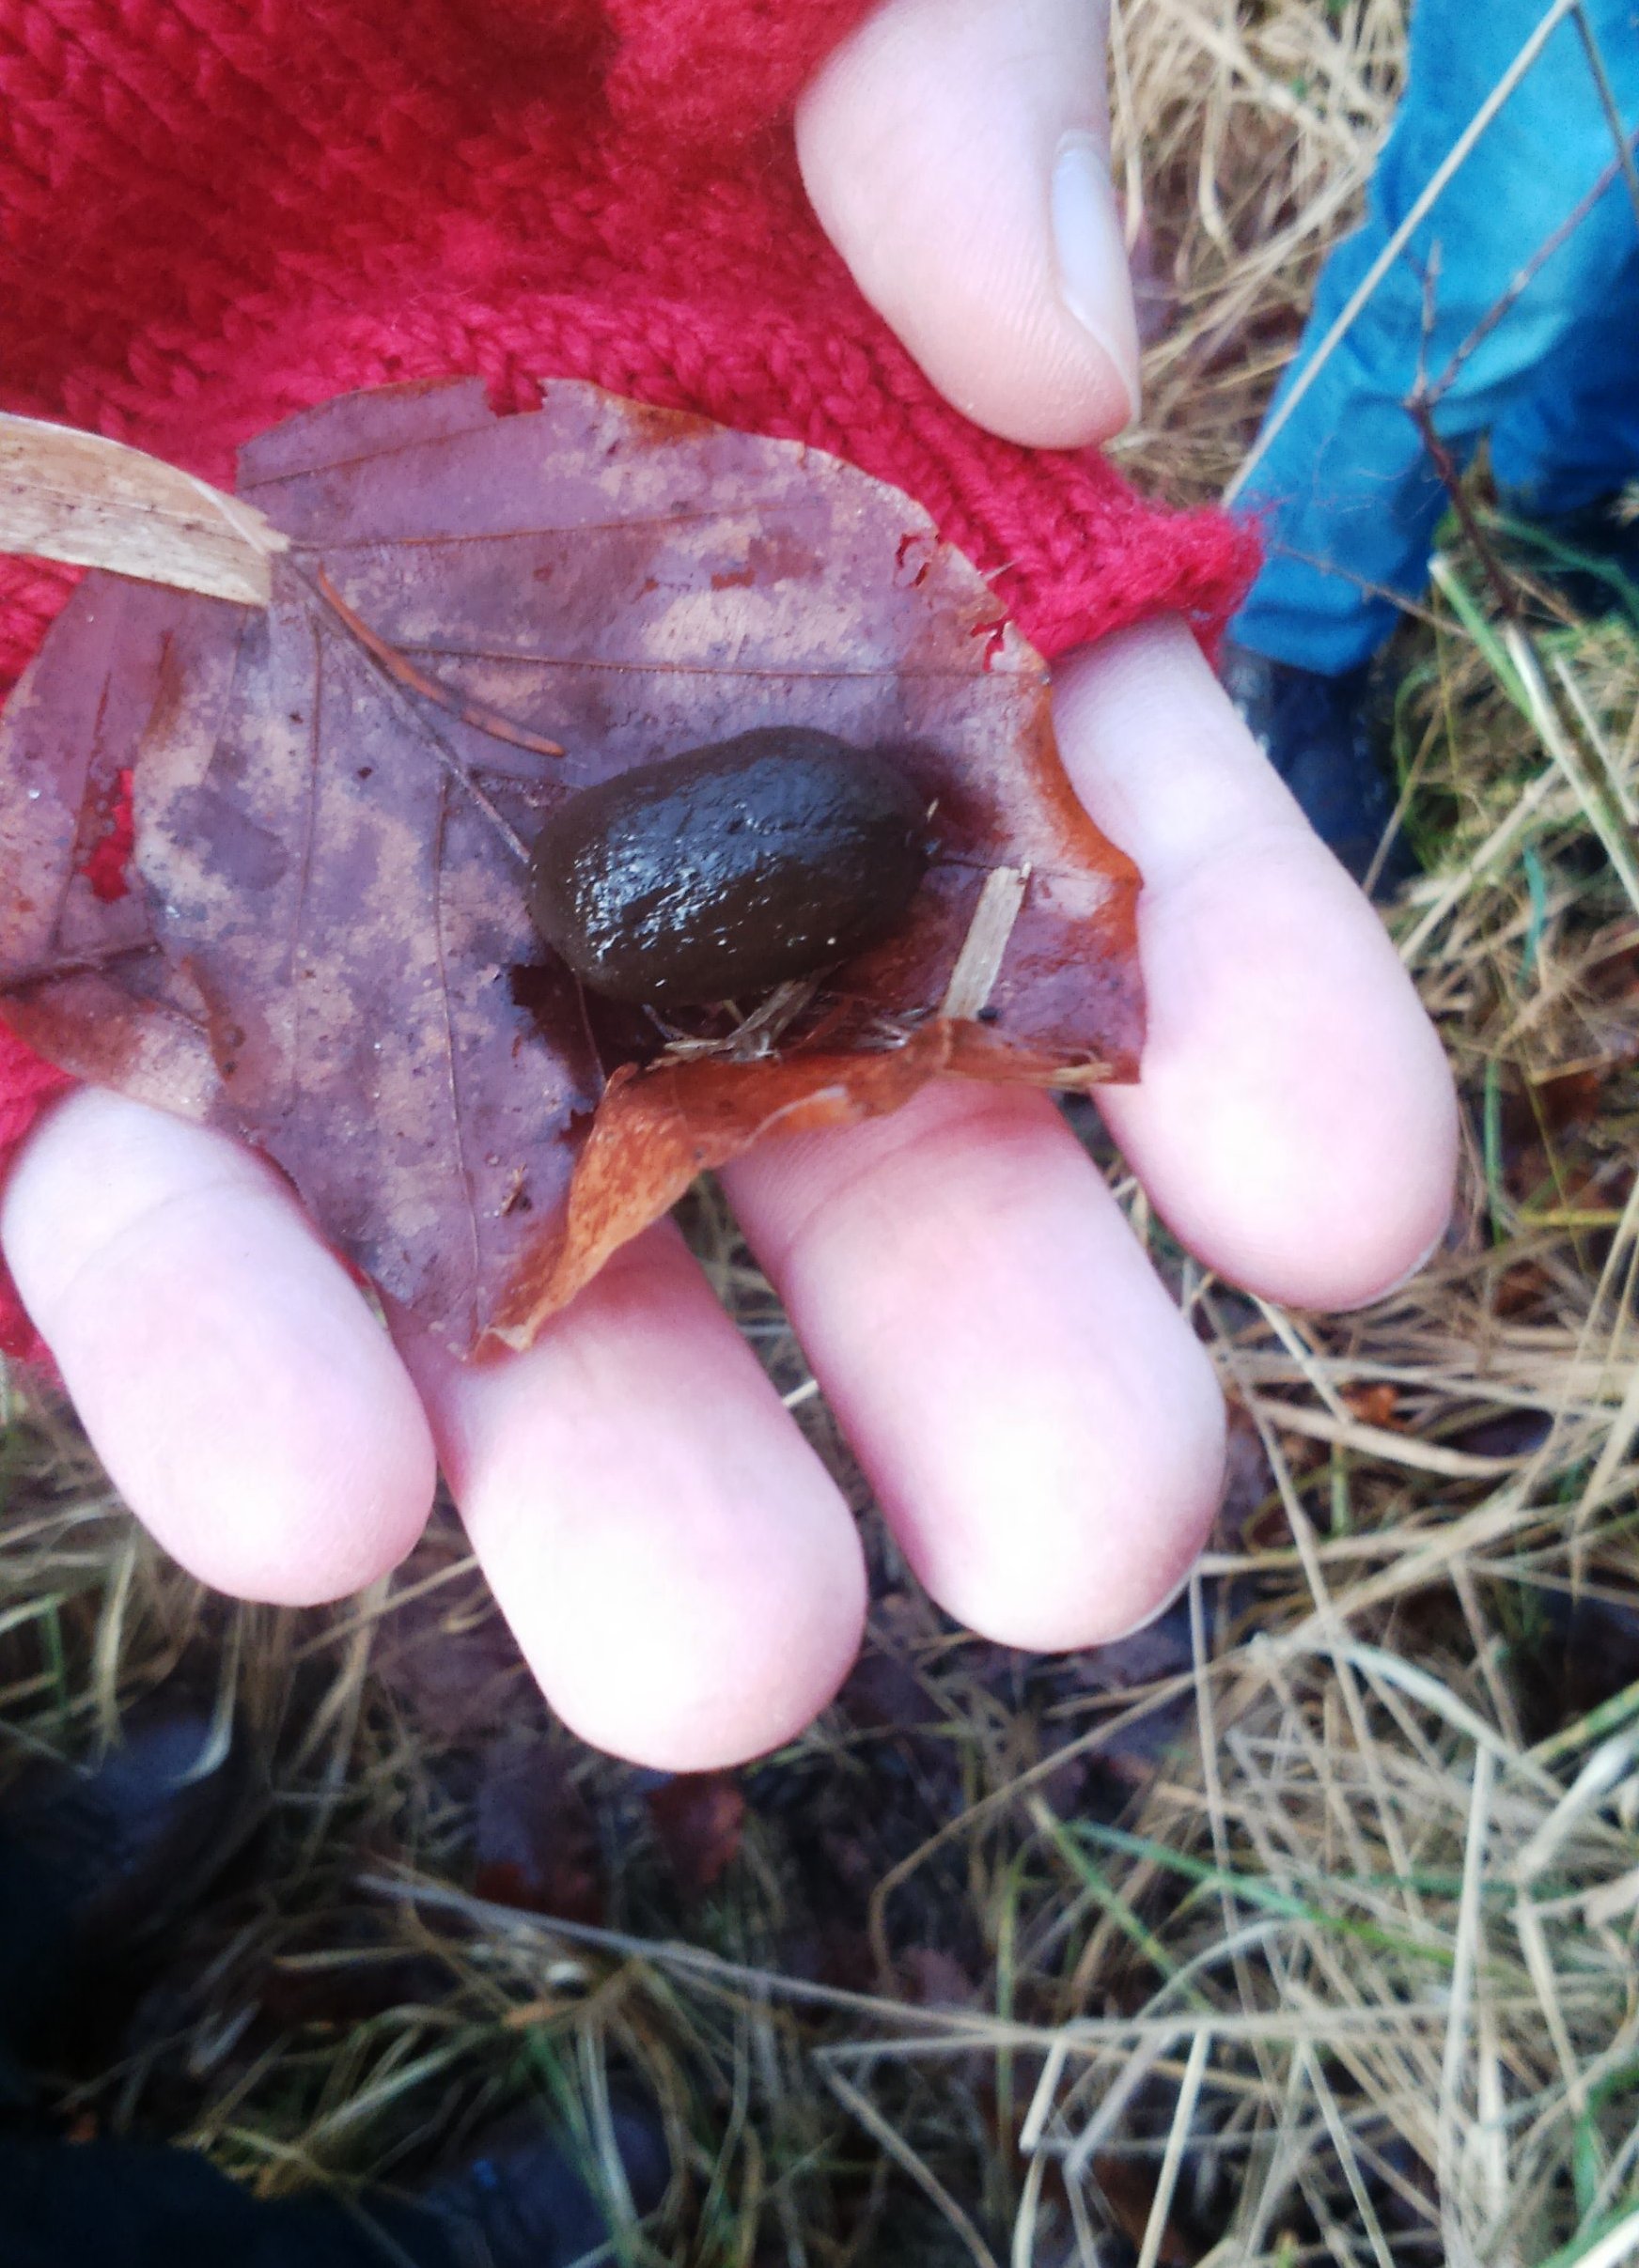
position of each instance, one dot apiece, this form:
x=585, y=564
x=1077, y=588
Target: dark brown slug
x=720, y=873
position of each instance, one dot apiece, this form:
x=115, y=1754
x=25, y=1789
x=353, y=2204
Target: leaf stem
x=401, y=678
x=398, y=665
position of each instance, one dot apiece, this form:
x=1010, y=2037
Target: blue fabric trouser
x=1555, y=385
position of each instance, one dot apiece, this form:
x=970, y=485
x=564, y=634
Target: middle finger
x=1043, y=1430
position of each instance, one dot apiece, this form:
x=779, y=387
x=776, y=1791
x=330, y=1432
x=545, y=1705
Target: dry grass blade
x=860, y=2107
x=985, y=946
x=1177, y=2142
x=76, y=497
x=1609, y=826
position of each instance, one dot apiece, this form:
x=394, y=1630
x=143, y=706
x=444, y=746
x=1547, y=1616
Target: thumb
x=956, y=154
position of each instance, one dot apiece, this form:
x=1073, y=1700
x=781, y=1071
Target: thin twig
x=1419, y=408
x=1522, y=281
x=1596, y=63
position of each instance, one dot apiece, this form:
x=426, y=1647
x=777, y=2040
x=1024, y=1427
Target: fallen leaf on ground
x=1375, y=1404
x=698, y=1819
x=324, y=947
x=1130, y=2189
x=535, y=1838
x=936, y=1978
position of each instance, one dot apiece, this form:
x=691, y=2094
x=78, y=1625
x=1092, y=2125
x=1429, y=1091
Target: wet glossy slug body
x=721, y=873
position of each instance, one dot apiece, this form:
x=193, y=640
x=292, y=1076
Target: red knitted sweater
x=214, y=212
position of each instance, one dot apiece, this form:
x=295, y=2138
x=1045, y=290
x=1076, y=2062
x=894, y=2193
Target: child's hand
x=1039, y=1426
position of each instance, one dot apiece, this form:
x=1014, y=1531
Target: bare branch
x=1419, y=408
x=1539, y=259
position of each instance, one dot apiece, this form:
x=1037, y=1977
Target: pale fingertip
x=1154, y=1608
x=954, y=156
x=1295, y=1120
x=1308, y=1151
x=1043, y=1430
x=682, y=1575
x=247, y=1406
x=1157, y=1483
x=728, y=1672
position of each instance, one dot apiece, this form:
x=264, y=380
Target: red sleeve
x=218, y=215
x=710, y=77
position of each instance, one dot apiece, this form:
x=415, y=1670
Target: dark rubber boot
x=1318, y=733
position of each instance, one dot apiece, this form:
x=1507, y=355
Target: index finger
x=1295, y=1124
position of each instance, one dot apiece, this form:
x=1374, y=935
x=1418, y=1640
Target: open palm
x=1040, y=1424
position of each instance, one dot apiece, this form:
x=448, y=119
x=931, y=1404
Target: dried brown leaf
x=535, y=1838
x=325, y=949
x=698, y=1819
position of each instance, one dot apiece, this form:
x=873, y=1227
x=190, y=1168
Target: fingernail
x=1093, y=279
